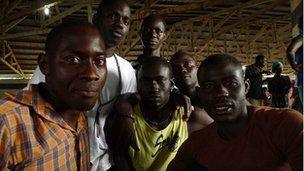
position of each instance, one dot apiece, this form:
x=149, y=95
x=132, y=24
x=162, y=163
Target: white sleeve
x=36, y=78
x=129, y=84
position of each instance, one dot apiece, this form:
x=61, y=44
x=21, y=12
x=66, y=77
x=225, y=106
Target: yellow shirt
x=157, y=148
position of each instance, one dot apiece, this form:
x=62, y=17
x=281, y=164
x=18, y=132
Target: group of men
x=46, y=127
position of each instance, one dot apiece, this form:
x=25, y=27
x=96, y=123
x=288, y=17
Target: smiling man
x=44, y=128
x=242, y=137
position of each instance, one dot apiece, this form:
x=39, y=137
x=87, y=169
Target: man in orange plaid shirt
x=45, y=128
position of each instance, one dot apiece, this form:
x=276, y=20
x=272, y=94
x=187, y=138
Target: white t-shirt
x=36, y=78
x=99, y=152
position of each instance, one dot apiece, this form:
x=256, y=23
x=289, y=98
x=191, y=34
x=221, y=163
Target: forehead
x=81, y=37
x=154, y=71
x=118, y=7
x=183, y=58
x=215, y=73
x=155, y=22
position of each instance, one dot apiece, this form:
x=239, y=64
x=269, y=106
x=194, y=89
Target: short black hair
x=180, y=53
x=259, y=57
x=150, y=18
x=58, y=33
x=219, y=60
x=154, y=61
x=104, y=4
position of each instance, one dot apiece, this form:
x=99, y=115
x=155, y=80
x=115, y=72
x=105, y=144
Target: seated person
x=158, y=122
x=279, y=87
x=242, y=137
x=184, y=72
x=45, y=128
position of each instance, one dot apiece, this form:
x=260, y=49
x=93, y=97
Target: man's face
x=184, y=70
x=114, y=23
x=153, y=33
x=77, y=70
x=154, y=85
x=261, y=62
x=223, y=92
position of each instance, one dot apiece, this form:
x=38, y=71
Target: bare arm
x=295, y=44
x=199, y=119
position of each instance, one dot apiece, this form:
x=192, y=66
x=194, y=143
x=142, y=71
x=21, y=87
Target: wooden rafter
x=243, y=22
x=63, y=14
x=34, y=6
x=9, y=59
x=25, y=34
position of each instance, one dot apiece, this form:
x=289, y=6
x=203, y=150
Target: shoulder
x=11, y=111
x=276, y=117
x=123, y=62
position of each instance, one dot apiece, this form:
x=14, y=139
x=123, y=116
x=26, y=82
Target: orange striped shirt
x=33, y=136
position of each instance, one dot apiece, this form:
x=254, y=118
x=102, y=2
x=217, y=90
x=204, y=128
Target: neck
x=230, y=130
x=277, y=75
x=151, y=52
x=157, y=118
x=68, y=115
x=110, y=51
x=188, y=90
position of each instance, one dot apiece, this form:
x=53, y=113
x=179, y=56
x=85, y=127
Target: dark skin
x=114, y=23
x=223, y=96
x=154, y=82
x=75, y=72
x=293, y=47
x=152, y=35
x=184, y=71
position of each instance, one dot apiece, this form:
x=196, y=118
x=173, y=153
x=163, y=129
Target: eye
x=233, y=83
x=207, y=86
x=100, y=61
x=126, y=21
x=73, y=60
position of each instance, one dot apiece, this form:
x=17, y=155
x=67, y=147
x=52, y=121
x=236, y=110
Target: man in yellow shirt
x=158, y=122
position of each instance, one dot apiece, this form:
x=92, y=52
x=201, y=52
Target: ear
x=247, y=85
x=43, y=63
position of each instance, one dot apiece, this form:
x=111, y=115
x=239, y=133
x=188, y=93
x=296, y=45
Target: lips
x=117, y=33
x=86, y=92
x=222, y=108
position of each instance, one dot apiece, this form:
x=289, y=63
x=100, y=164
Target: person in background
x=242, y=137
x=254, y=74
x=294, y=55
x=279, y=87
x=152, y=33
x=45, y=128
x=184, y=73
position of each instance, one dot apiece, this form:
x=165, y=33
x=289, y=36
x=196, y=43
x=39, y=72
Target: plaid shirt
x=33, y=136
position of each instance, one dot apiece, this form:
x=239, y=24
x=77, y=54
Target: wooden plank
x=25, y=34
x=34, y=6
x=63, y=14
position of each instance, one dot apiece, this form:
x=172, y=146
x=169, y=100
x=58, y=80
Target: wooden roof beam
x=25, y=34
x=187, y=7
x=63, y=14
x=34, y=6
x=241, y=23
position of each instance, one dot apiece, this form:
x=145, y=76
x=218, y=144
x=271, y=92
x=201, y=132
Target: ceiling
x=238, y=27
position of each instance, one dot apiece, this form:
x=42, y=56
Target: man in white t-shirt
x=113, y=20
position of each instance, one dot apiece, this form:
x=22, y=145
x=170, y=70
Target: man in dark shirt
x=254, y=74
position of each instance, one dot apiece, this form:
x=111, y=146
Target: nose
x=183, y=69
x=89, y=72
x=154, y=86
x=222, y=91
x=119, y=22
